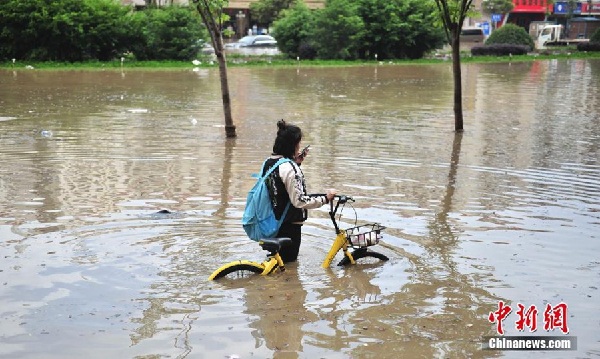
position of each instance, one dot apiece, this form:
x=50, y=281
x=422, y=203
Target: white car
x=257, y=41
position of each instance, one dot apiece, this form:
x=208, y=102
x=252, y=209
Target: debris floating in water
x=46, y=133
x=138, y=110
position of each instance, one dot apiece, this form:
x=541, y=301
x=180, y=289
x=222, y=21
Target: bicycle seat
x=274, y=244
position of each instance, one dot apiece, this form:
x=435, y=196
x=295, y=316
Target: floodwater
x=508, y=212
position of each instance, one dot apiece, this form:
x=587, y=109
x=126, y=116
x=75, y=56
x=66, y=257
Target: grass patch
x=235, y=60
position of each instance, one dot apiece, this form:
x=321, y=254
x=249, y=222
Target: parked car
x=257, y=41
x=472, y=34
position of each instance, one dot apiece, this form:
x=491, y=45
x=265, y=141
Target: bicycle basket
x=365, y=235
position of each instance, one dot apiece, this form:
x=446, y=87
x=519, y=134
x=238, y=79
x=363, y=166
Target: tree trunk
x=216, y=36
x=220, y=53
x=458, y=110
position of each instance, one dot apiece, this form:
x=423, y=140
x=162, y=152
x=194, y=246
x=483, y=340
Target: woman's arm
x=293, y=179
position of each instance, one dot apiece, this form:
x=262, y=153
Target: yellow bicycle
x=358, y=238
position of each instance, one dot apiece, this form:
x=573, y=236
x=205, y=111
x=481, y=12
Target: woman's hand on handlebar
x=330, y=194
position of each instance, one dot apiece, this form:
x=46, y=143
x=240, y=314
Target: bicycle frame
x=272, y=262
x=341, y=241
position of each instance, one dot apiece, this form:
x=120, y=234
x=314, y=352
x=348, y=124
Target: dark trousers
x=294, y=231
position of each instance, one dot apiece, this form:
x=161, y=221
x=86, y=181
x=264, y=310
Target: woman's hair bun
x=281, y=124
x=288, y=137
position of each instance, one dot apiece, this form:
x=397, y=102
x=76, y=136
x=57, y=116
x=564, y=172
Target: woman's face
x=297, y=150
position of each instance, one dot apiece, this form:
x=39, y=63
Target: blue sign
x=562, y=8
x=496, y=17
x=485, y=26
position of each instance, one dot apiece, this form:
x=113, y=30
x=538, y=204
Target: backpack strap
x=282, y=160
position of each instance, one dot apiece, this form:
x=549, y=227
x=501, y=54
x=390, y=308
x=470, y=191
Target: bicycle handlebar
x=343, y=198
x=334, y=206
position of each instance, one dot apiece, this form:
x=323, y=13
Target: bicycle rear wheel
x=237, y=269
x=363, y=254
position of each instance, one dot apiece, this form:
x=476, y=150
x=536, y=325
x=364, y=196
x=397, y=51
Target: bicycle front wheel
x=363, y=254
x=237, y=269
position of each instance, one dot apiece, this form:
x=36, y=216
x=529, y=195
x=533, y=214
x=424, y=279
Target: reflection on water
x=509, y=210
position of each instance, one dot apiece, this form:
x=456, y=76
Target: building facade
x=576, y=17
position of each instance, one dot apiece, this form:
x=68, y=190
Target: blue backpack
x=259, y=220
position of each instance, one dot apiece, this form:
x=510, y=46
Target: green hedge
x=588, y=46
x=593, y=45
x=500, y=50
x=595, y=36
x=63, y=30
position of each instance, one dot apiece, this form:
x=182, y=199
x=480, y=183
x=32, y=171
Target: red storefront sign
x=590, y=8
x=531, y=6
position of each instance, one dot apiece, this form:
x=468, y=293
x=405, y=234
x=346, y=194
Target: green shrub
x=510, y=34
x=359, y=29
x=168, y=33
x=293, y=29
x=336, y=29
x=307, y=51
x=397, y=29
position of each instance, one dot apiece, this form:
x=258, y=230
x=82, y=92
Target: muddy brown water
x=508, y=211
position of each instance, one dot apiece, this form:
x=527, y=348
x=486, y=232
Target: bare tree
x=453, y=14
x=211, y=12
